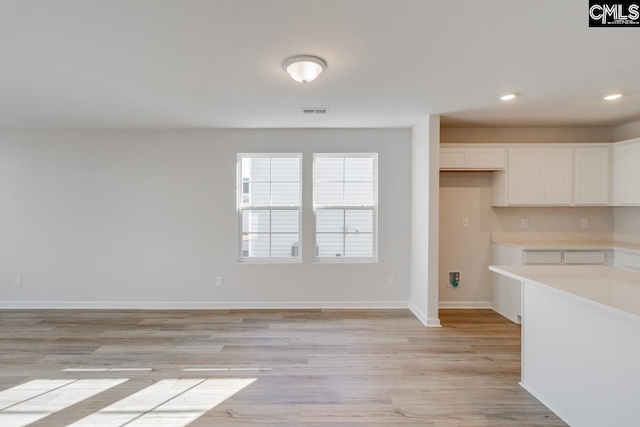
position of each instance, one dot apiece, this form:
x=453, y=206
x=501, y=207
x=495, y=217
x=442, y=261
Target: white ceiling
x=213, y=63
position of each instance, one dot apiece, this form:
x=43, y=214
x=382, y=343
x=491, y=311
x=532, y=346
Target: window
x=345, y=206
x=269, y=207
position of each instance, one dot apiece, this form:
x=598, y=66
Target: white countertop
x=611, y=289
x=571, y=245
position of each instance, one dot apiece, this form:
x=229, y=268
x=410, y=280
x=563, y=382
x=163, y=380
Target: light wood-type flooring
x=262, y=368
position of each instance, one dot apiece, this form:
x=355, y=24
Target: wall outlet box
x=585, y=222
x=392, y=280
x=524, y=222
x=465, y=222
x=454, y=279
x=17, y=280
x=219, y=281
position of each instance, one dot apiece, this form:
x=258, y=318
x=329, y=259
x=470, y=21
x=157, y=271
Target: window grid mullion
x=270, y=204
x=344, y=233
x=344, y=181
x=270, y=184
x=270, y=231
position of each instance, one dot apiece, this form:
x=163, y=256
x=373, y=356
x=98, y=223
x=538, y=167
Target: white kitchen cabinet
x=472, y=158
x=506, y=293
x=540, y=176
x=454, y=158
x=542, y=257
x=523, y=176
x=626, y=176
x=487, y=158
x=585, y=257
x=591, y=175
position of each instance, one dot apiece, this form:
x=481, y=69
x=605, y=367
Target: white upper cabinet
x=540, y=176
x=454, y=158
x=472, y=158
x=626, y=178
x=592, y=172
x=557, y=176
x=487, y=158
x=552, y=174
x=524, y=176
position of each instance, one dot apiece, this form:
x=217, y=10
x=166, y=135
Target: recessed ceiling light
x=612, y=96
x=508, y=97
x=304, y=68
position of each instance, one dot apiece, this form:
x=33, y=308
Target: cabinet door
x=592, y=175
x=631, y=178
x=627, y=174
x=556, y=176
x=454, y=158
x=584, y=257
x=619, y=154
x=523, y=179
x=487, y=158
x=542, y=257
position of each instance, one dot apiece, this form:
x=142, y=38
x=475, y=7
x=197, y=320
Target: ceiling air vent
x=315, y=110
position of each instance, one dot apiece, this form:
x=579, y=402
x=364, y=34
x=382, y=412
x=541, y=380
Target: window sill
x=270, y=261
x=345, y=261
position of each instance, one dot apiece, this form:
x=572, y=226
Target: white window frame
x=241, y=208
x=344, y=207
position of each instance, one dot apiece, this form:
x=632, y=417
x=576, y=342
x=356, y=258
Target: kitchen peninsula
x=580, y=341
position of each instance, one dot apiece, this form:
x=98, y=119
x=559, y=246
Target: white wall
x=148, y=219
x=425, y=148
x=524, y=135
x=627, y=131
x=468, y=194
x=465, y=194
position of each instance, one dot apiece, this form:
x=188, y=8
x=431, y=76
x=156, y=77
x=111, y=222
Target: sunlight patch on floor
x=105, y=369
x=37, y=399
x=169, y=402
x=226, y=369
x=172, y=402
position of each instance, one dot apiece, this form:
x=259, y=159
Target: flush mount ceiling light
x=304, y=68
x=508, y=97
x=612, y=97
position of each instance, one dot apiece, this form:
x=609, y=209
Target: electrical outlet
x=524, y=222
x=219, y=281
x=585, y=222
x=17, y=280
x=392, y=280
x=465, y=222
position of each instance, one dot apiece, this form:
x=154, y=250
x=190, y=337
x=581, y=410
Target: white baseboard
x=199, y=305
x=464, y=304
x=430, y=322
x=505, y=316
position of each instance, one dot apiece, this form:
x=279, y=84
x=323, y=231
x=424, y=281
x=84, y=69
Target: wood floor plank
x=301, y=367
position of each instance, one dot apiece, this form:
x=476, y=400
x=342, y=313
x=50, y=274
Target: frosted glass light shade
x=304, y=69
